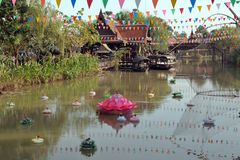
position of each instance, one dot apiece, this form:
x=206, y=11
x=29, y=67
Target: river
x=168, y=128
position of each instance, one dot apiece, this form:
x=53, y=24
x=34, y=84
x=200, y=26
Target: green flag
x=105, y=3
x=233, y=2
x=173, y=11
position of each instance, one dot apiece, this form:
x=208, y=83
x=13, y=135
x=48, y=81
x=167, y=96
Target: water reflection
x=168, y=128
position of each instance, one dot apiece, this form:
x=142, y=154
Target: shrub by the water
x=34, y=73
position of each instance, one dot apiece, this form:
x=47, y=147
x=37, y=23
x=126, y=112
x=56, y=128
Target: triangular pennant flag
x=105, y=3
x=164, y=12
x=58, y=2
x=181, y=10
x=173, y=11
x=173, y=3
x=212, y=1
x=121, y=2
x=155, y=3
x=14, y=2
x=193, y=2
x=43, y=2
x=209, y=7
x=228, y=4
x=90, y=18
x=196, y=19
x=233, y=2
x=199, y=8
x=190, y=9
x=89, y=2
x=218, y=5
x=137, y=3
x=73, y=3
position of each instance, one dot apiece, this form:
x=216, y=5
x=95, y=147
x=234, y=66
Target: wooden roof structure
x=132, y=33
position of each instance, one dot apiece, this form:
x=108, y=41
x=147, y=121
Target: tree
x=13, y=29
x=78, y=34
x=202, y=31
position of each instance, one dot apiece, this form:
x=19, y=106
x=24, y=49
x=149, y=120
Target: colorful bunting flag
x=137, y=3
x=212, y=1
x=131, y=15
x=233, y=2
x=58, y=2
x=173, y=11
x=73, y=3
x=199, y=8
x=105, y=3
x=209, y=7
x=218, y=5
x=190, y=9
x=43, y=3
x=155, y=3
x=14, y=2
x=89, y=2
x=164, y=12
x=89, y=17
x=228, y=4
x=173, y=3
x=121, y=2
x=193, y=2
x=181, y=10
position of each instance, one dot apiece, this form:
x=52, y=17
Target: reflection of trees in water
x=17, y=149
x=136, y=86
x=228, y=78
x=198, y=71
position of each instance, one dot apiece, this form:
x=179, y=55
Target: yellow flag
x=38, y=19
x=199, y=8
x=58, y=2
x=89, y=17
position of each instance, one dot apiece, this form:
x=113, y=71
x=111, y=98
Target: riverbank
x=78, y=66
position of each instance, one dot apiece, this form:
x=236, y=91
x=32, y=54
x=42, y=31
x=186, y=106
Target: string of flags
x=154, y=2
x=137, y=150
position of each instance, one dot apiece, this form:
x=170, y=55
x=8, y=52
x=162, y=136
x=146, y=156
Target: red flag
x=43, y=2
x=209, y=7
x=89, y=2
x=181, y=10
x=155, y=3
x=212, y=1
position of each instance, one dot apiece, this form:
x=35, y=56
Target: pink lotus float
x=116, y=104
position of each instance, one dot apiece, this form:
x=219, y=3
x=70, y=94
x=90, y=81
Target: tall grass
x=34, y=73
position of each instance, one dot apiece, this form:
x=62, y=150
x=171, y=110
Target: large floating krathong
x=116, y=104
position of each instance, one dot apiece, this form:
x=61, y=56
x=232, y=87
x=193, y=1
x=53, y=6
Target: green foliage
x=201, y=30
x=78, y=34
x=13, y=29
x=233, y=41
x=34, y=73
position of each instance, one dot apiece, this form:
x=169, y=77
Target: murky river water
x=168, y=128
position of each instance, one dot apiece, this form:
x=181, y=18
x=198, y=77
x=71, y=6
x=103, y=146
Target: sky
x=146, y=5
